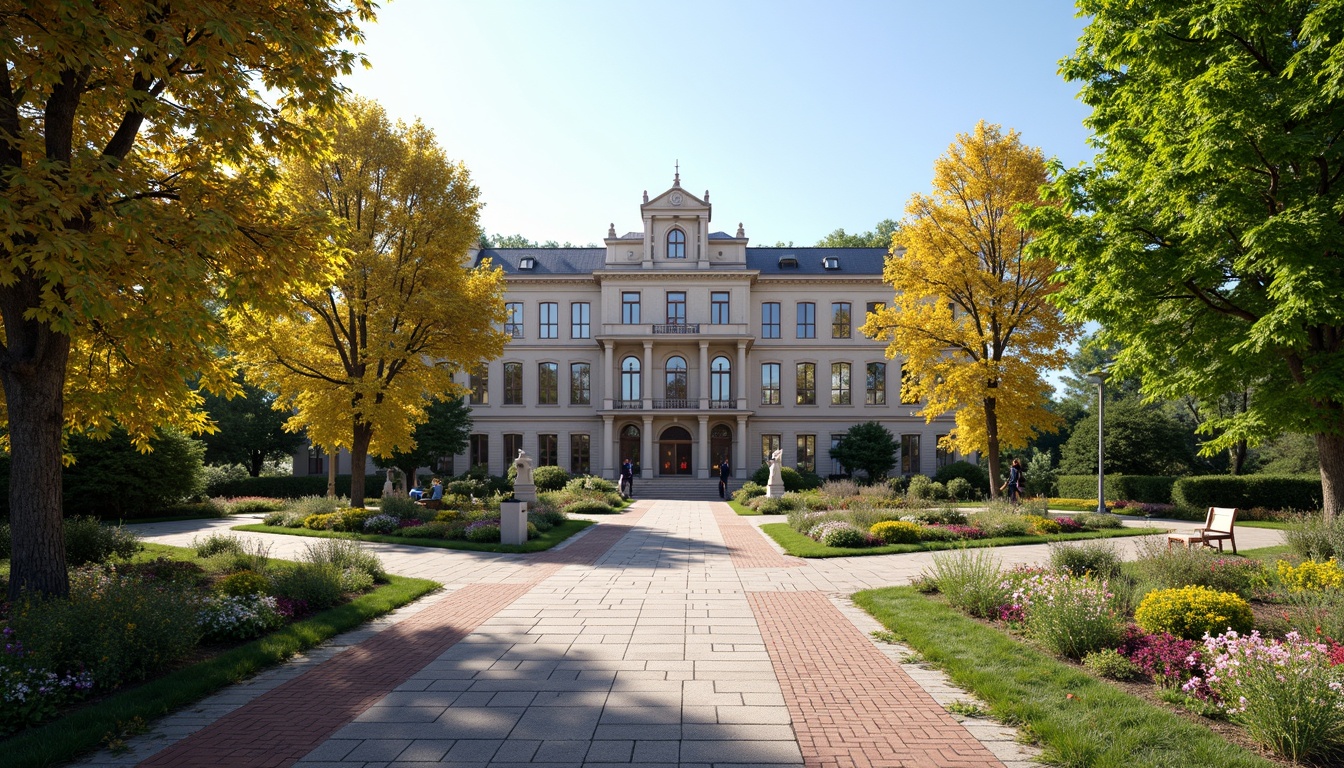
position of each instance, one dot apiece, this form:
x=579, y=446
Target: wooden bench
x=1218, y=525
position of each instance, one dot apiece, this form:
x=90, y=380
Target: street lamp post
x=1099, y=375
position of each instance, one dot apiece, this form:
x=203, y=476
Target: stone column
x=740, y=450
x=646, y=377
x=608, y=449
x=704, y=375
x=647, y=457
x=610, y=378
x=741, y=374
x=702, y=467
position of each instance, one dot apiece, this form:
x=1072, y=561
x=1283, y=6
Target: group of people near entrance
x=627, y=483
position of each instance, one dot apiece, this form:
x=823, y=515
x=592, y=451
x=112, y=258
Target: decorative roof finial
x=611, y=230
x=676, y=178
x=706, y=195
x=646, y=195
x=740, y=233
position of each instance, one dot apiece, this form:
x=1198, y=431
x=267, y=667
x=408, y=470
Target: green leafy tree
x=138, y=146
x=445, y=432
x=250, y=431
x=1140, y=440
x=112, y=479
x=868, y=448
x=1208, y=238
x=879, y=237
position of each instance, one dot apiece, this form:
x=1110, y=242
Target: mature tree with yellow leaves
x=137, y=142
x=970, y=319
x=361, y=356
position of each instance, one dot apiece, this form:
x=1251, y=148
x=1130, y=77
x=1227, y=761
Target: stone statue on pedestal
x=775, y=487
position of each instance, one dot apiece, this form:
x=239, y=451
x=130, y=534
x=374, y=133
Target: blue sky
x=798, y=117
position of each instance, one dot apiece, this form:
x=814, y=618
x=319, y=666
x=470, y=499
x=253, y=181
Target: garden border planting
x=800, y=545
x=541, y=543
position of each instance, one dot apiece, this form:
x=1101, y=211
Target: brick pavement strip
x=285, y=724
x=850, y=704
x=746, y=545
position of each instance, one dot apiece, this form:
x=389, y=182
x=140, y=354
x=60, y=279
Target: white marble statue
x=388, y=487
x=524, y=466
x=774, y=488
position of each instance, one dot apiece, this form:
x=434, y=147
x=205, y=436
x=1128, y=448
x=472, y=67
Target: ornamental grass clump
x=1192, y=612
x=343, y=554
x=1071, y=616
x=1161, y=567
x=1285, y=692
x=1098, y=558
x=216, y=543
x=971, y=581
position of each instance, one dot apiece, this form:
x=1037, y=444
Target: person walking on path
x=724, y=473
x=628, y=479
x=1015, y=481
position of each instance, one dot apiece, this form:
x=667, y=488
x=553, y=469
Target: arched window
x=676, y=244
x=676, y=379
x=630, y=389
x=720, y=380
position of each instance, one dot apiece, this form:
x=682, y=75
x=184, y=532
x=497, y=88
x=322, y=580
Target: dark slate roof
x=721, y=236
x=585, y=261
x=633, y=236
x=550, y=261
x=853, y=261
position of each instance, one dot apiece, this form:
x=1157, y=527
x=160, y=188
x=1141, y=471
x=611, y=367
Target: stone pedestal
x=513, y=522
x=525, y=492
x=775, y=490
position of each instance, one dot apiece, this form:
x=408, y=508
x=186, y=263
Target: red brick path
x=281, y=726
x=747, y=546
x=850, y=704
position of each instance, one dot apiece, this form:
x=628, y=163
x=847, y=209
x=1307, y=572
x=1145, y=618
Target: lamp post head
x=1098, y=375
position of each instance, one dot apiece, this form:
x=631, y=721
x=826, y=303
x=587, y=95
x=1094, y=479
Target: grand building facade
x=677, y=346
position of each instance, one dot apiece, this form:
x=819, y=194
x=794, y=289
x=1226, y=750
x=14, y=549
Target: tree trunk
x=1237, y=456
x=33, y=371
x=992, y=444
x=255, y=465
x=359, y=456
x=331, y=473
x=1330, y=447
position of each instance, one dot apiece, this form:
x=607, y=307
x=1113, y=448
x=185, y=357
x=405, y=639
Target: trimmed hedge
x=1150, y=489
x=296, y=486
x=1299, y=492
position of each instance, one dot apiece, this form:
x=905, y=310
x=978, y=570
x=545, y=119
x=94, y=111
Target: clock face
x=675, y=199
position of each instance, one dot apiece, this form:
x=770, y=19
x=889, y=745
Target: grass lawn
x=1271, y=524
x=108, y=720
x=799, y=545
x=543, y=542
x=1078, y=719
x=1270, y=554
x=742, y=509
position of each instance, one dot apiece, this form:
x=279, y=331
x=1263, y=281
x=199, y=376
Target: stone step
x=682, y=490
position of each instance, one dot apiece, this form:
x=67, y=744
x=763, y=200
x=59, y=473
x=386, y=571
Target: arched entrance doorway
x=629, y=446
x=674, y=452
x=720, y=445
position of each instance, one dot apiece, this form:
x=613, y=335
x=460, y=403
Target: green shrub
x=1097, y=558
x=297, y=486
x=467, y=488
x=1161, y=567
x=316, y=505
x=119, y=628
x=354, y=580
x=776, y=506
x=1072, y=616
x=1151, y=489
x=317, y=585
x=588, y=507
x=483, y=532
x=431, y=530
x=1246, y=491
x=1041, y=526
x=897, y=532
x=959, y=488
x=344, y=553
x=945, y=515
x=1001, y=521
x=250, y=555
x=400, y=507
x=217, y=476
x=243, y=583
x=549, y=478
x=794, y=480
x=590, y=483
x=89, y=541
x=971, y=580
x=251, y=506
x=1110, y=664
x=1312, y=538
x=1097, y=521
x=216, y=543
x=322, y=522
x=846, y=536
x=113, y=479
x=747, y=492
x=1190, y=612
x=973, y=474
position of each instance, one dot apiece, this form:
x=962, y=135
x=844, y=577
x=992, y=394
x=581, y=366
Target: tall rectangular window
x=941, y=456
x=806, y=383
x=840, y=384
x=909, y=454
x=718, y=307
x=579, y=453
x=840, y=320
x=512, y=445
x=480, y=386
x=580, y=384
x=548, y=384
x=807, y=320
x=807, y=453
x=769, y=444
x=548, y=319
x=877, y=384
x=769, y=383
x=676, y=307
x=630, y=307
x=480, y=450
x=316, y=461
x=580, y=326
x=870, y=309
x=770, y=320
x=513, y=383
x=513, y=319
x=836, y=467
x=548, y=450
x=908, y=395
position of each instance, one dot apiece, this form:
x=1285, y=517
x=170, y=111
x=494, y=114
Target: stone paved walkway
x=675, y=634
